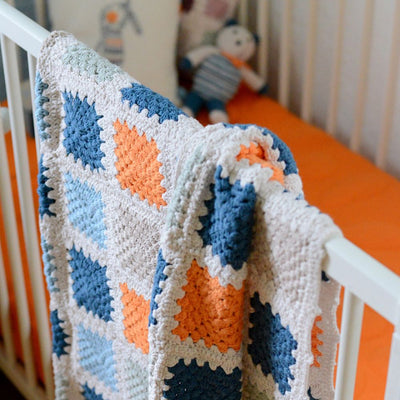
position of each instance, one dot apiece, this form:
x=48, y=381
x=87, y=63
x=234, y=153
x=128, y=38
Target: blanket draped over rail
x=182, y=262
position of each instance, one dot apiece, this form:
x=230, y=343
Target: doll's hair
x=233, y=21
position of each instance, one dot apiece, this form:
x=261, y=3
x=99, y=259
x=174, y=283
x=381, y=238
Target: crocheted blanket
x=182, y=262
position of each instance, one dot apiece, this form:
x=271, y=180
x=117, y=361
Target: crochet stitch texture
x=181, y=261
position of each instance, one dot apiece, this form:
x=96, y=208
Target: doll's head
x=236, y=41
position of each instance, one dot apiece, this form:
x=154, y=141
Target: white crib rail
x=365, y=279
x=23, y=31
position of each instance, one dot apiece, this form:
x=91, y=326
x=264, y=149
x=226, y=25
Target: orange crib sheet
x=362, y=200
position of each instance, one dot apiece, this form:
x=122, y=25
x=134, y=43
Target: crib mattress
x=362, y=200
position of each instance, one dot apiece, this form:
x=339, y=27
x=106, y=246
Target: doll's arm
x=197, y=56
x=253, y=80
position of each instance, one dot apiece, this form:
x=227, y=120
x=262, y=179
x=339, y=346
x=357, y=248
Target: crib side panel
x=16, y=29
x=326, y=68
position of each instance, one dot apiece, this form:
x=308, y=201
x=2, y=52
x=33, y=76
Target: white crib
x=365, y=280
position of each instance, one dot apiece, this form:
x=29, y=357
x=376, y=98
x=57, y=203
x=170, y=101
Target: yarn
x=43, y=190
x=90, y=394
x=284, y=152
x=250, y=392
x=228, y=225
x=87, y=62
x=315, y=341
x=135, y=380
x=82, y=132
x=159, y=276
x=40, y=112
x=152, y=102
x=310, y=395
x=210, y=312
x=96, y=356
x=256, y=155
x=61, y=386
x=49, y=267
x=136, y=313
x=272, y=344
x=90, y=288
x=59, y=336
x=138, y=166
x=85, y=209
x=194, y=382
x=324, y=277
x=181, y=261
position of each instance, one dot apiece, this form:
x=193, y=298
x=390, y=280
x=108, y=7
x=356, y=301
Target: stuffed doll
x=220, y=69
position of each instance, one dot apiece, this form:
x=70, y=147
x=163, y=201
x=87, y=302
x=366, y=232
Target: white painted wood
x=21, y=29
x=262, y=31
x=32, y=77
x=368, y=279
x=29, y=217
x=284, y=58
x=244, y=12
x=5, y=317
x=11, y=2
x=392, y=391
x=5, y=119
x=4, y=295
x=13, y=246
x=16, y=374
x=40, y=10
x=350, y=333
x=359, y=109
x=331, y=120
x=311, y=42
x=42, y=316
x=390, y=91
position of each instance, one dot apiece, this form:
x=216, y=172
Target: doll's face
x=236, y=41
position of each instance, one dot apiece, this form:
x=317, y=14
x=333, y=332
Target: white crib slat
x=284, y=60
x=359, y=110
x=21, y=29
x=243, y=12
x=4, y=295
x=262, y=30
x=5, y=311
x=42, y=317
x=331, y=120
x=15, y=374
x=309, y=61
x=40, y=11
x=390, y=97
x=350, y=332
x=14, y=253
x=32, y=77
x=392, y=391
x=26, y=202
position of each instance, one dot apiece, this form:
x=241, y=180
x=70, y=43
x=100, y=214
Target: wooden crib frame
x=365, y=280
